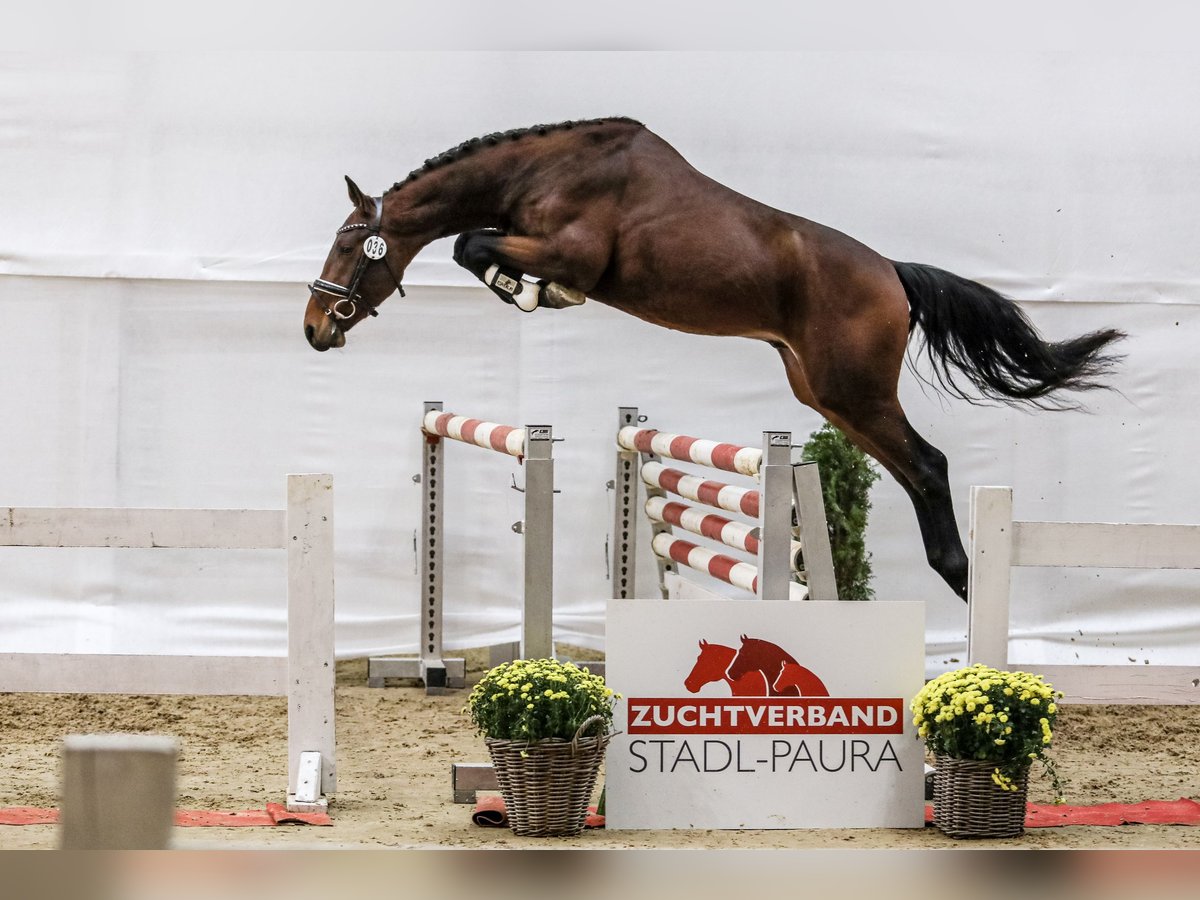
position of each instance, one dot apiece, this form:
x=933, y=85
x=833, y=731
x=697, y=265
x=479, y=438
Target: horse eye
x=342, y=248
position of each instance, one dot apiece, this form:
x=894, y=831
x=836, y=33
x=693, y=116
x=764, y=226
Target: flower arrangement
x=537, y=699
x=986, y=714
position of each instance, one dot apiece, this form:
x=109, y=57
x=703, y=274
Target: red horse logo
x=758, y=669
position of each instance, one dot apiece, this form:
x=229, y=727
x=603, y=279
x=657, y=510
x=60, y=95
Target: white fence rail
x=998, y=543
x=305, y=675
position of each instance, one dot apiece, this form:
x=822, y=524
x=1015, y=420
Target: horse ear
x=703, y=643
x=744, y=639
x=358, y=198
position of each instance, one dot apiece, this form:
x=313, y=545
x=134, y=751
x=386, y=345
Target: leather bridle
x=373, y=248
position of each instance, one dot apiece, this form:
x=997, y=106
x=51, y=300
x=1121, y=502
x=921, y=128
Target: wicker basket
x=968, y=804
x=547, y=784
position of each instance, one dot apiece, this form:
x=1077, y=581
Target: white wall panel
x=162, y=213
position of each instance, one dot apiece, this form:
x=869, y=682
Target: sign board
x=747, y=714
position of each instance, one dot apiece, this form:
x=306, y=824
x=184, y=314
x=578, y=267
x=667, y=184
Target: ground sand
x=396, y=745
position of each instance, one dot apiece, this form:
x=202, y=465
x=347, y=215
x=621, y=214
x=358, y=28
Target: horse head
x=710, y=665
x=763, y=657
x=363, y=268
x=802, y=680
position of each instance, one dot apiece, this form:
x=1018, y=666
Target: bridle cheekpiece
x=373, y=248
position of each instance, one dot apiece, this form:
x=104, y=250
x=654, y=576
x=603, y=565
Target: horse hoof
x=556, y=296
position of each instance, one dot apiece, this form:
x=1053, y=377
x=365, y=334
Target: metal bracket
x=308, y=796
x=521, y=490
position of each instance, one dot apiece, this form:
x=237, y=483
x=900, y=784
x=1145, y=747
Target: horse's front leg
x=500, y=261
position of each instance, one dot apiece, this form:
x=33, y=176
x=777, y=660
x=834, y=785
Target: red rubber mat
x=1148, y=812
x=274, y=814
x=489, y=812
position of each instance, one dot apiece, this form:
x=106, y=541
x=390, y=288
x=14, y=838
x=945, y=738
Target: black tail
x=989, y=339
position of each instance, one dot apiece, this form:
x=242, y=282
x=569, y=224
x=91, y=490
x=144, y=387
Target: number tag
x=374, y=247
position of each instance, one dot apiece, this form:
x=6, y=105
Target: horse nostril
x=310, y=333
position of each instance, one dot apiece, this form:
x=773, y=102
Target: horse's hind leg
x=866, y=408
x=925, y=478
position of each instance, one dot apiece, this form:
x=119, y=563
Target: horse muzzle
x=322, y=331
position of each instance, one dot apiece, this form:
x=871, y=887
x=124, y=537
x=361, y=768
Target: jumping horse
x=607, y=209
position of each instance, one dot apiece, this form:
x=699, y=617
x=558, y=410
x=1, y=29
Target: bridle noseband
x=373, y=248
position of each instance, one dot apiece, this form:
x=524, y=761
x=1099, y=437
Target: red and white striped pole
x=728, y=457
x=501, y=438
x=728, y=497
x=737, y=535
x=723, y=568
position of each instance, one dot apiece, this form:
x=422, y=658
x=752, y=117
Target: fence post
x=990, y=575
x=311, y=669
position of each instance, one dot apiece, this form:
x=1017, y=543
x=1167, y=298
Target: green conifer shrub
x=846, y=478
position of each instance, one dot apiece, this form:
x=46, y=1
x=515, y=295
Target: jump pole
x=304, y=674
x=784, y=486
x=533, y=445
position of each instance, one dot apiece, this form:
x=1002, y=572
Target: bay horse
x=607, y=209
x=711, y=665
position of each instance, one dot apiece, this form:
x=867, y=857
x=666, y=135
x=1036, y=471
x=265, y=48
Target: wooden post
x=310, y=627
x=118, y=792
x=989, y=580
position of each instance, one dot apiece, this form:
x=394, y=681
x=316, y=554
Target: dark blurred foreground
x=961, y=874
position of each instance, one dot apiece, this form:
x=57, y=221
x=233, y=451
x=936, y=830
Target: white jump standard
x=532, y=447
x=784, y=488
x=305, y=675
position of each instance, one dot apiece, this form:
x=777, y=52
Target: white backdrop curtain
x=161, y=213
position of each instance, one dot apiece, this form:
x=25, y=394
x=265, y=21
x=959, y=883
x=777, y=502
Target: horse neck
x=760, y=653
x=752, y=684
x=486, y=187
x=456, y=198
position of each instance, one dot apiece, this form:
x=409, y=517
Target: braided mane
x=491, y=140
